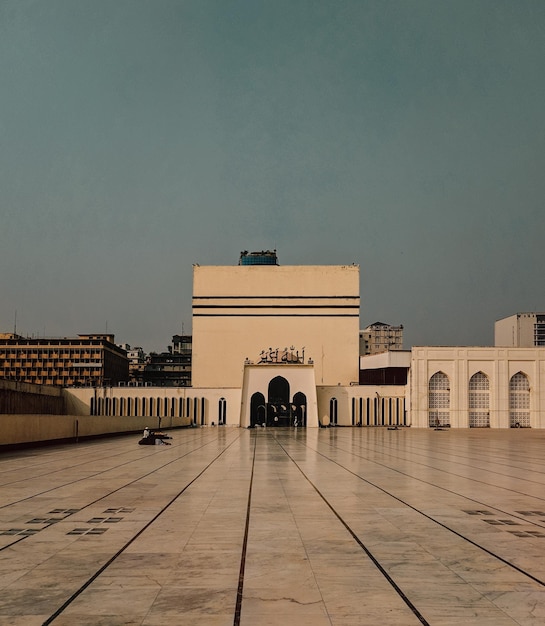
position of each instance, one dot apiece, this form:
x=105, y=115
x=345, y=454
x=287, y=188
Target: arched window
x=519, y=401
x=438, y=400
x=222, y=411
x=479, y=401
x=333, y=417
x=195, y=410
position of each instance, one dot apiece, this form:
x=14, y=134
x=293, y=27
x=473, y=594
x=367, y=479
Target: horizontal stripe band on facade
x=275, y=306
x=271, y=297
x=356, y=315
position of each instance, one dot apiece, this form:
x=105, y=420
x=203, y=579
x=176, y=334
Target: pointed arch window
x=333, y=416
x=479, y=401
x=439, y=400
x=519, y=401
x=222, y=411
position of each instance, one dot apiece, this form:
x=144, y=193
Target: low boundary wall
x=32, y=429
x=18, y=397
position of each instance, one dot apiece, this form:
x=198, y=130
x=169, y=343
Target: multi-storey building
x=88, y=360
x=380, y=337
x=172, y=368
x=522, y=330
x=182, y=344
x=137, y=362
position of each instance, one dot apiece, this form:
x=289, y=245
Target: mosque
x=278, y=345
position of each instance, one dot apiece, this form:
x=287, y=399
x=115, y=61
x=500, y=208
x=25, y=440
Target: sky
x=140, y=137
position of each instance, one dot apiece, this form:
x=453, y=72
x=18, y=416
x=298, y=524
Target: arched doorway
x=258, y=409
x=278, y=406
x=299, y=409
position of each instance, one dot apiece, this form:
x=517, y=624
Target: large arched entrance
x=279, y=395
x=278, y=406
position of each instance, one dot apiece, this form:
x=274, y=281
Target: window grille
x=479, y=401
x=519, y=401
x=439, y=400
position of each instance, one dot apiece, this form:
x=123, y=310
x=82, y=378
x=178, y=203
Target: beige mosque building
x=279, y=346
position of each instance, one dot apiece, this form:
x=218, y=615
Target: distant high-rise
x=521, y=330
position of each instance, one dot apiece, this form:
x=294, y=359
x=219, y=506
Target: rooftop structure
x=265, y=257
x=521, y=330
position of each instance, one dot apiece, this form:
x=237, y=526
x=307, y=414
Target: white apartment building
x=521, y=330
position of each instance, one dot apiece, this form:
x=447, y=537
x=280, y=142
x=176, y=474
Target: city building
x=171, y=368
x=380, y=337
x=137, y=362
x=87, y=360
x=522, y=330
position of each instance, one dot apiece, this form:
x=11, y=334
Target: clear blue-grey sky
x=139, y=137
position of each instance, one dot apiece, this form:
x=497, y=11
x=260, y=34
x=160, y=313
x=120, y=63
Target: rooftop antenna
x=15, y=323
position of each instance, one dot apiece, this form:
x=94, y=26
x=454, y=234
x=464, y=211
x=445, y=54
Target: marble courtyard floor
x=318, y=527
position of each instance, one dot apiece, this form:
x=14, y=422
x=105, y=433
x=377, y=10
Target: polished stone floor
x=230, y=526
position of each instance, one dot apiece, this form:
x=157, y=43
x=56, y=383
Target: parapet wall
x=36, y=429
x=18, y=397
